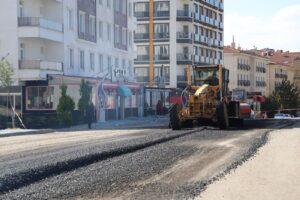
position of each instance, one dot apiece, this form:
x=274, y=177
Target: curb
x=21, y=179
x=33, y=132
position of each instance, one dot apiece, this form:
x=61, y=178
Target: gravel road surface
x=121, y=164
x=274, y=174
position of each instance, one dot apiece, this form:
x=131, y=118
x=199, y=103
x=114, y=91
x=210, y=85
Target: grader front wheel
x=175, y=122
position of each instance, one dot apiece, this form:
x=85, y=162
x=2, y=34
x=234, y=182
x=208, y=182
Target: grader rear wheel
x=175, y=122
x=222, y=114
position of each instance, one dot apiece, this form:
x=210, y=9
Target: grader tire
x=174, y=118
x=222, y=114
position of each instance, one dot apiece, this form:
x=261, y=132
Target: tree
x=6, y=73
x=65, y=107
x=286, y=95
x=85, y=96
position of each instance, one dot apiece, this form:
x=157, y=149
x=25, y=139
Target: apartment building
x=282, y=67
x=174, y=35
x=248, y=72
x=62, y=41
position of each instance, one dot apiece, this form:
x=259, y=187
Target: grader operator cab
x=206, y=100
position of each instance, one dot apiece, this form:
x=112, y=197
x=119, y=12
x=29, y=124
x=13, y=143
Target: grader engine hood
x=201, y=90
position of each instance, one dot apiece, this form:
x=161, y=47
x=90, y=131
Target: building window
x=71, y=58
x=100, y=29
x=22, y=51
x=124, y=36
x=116, y=62
x=108, y=3
x=92, y=61
x=92, y=25
x=81, y=22
x=21, y=8
x=108, y=32
x=70, y=19
x=101, y=63
x=40, y=98
x=109, y=67
x=81, y=57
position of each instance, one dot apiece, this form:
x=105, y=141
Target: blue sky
x=263, y=23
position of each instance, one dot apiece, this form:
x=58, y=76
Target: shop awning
x=124, y=91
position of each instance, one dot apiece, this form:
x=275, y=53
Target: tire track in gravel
x=15, y=181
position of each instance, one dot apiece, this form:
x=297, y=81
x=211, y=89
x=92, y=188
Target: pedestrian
x=90, y=115
x=159, y=108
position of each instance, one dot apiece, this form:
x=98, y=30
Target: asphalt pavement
x=122, y=164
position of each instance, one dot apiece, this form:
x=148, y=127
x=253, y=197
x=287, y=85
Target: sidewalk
x=274, y=174
x=130, y=123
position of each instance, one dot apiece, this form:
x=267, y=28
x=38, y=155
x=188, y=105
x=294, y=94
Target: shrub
x=65, y=107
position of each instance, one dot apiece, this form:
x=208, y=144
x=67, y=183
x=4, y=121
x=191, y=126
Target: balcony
x=31, y=27
x=162, y=14
x=142, y=59
x=184, y=58
x=261, y=84
x=244, y=67
x=184, y=37
x=162, y=58
x=197, y=38
x=197, y=59
x=142, y=15
x=141, y=37
x=161, y=37
x=221, y=25
x=38, y=69
x=184, y=15
x=41, y=65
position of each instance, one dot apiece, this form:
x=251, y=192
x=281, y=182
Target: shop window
x=40, y=98
x=110, y=100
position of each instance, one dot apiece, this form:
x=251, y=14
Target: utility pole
x=151, y=44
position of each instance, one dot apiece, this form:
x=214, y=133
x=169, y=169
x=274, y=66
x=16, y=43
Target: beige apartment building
x=297, y=72
x=282, y=66
x=248, y=72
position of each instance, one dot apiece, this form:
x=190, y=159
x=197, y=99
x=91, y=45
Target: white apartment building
x=50, y=40
x=174, y=35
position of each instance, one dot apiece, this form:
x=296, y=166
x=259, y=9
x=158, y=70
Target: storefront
x=121, y=100
x=152, y=96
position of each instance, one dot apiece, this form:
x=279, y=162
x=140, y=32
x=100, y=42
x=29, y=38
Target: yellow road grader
x=206, y=100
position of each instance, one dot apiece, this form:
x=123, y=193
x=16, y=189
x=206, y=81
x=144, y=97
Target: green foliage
x=65, y=107
x=85, y=96
x=286, y=95
x=6, y=73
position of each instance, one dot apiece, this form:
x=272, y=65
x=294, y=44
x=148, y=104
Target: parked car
x=282, y=116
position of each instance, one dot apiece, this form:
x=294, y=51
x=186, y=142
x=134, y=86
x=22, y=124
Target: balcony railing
x=141, y=36
x=41, y=65
x=245, y=83
x=142, y=58
x=40, y=22
x=144, y=14
x=184, y=14
x=184, y=57
x=162, y=57
x=161, y=13
x=182, y=35
x=161, y=36
x=244, y=67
